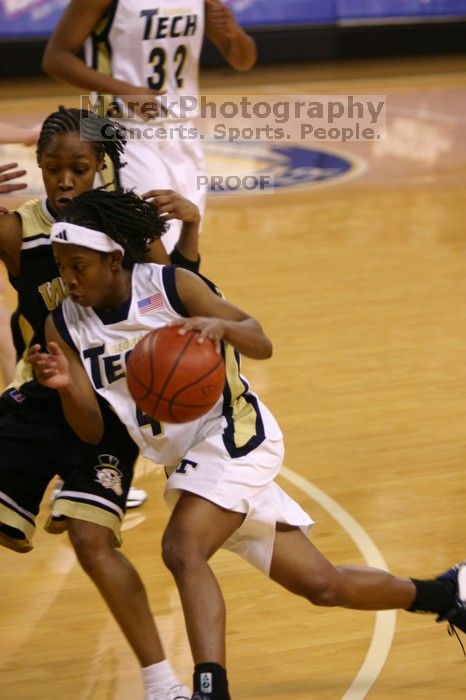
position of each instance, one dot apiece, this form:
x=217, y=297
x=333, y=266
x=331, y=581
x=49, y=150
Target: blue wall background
x=37, y=18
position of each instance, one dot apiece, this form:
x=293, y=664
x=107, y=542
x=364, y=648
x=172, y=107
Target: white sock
x=159, y=677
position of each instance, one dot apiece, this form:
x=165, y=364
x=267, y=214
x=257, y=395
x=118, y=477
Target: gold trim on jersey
x=103, y=64
x=35, y=219
x=23, y=372
x=108, y=175
x=245, y=430
x=36, y=222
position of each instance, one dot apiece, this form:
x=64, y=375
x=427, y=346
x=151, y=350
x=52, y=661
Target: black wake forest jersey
x=39, y=286
x=31, y=412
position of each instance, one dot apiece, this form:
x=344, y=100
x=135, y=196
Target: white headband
x=63, y=232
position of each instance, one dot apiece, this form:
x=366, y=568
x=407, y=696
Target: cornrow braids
x=106, y=136
x=132, y=222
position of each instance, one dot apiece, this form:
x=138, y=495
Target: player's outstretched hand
x=172, y=205
x=6, y=176
x=51, y=367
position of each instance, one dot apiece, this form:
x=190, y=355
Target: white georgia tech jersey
x=103, y=341
x=156, y=45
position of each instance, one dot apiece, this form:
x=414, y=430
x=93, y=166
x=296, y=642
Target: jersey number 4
x=144, y=420
x=158, y=59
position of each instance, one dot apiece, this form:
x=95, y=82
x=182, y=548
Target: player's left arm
x=216, y=318
x=235, y=45
x=61, y=368
x=171, y=205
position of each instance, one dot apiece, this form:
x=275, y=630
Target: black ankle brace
x=210, y=679
x=433, y=596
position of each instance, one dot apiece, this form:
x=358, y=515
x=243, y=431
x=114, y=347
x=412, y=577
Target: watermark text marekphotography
x=296, y=118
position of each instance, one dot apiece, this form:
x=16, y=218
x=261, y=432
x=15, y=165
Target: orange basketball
x=173, y=378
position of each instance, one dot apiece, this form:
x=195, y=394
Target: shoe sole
x=136, y=498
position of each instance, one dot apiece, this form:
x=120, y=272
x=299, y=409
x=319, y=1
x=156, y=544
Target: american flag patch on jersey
x=155, y=301
x=16, y=395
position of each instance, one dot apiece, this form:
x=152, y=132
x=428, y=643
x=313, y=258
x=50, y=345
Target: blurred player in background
x=138, y=50
x=36, y=442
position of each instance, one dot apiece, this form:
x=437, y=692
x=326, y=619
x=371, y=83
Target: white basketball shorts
x=244, y=485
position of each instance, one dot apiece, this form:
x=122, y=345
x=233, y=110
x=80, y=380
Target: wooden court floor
x=361, y=284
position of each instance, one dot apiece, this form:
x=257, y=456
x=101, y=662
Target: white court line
x=385, y=621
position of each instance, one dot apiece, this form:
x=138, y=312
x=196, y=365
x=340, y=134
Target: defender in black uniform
x=35, y=440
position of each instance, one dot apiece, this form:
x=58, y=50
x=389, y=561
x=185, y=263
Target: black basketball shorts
x=36, y=444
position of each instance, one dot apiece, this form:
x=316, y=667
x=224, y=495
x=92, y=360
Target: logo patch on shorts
x=108, y=474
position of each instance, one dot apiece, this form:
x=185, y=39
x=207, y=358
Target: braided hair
x=106, y=136
x=132, y=222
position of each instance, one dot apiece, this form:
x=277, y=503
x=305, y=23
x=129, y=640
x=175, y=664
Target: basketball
x=173, y=378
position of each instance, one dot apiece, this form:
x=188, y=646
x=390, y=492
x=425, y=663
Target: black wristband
x=178, y=258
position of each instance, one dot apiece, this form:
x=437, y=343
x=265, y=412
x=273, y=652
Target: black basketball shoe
x=456, y=615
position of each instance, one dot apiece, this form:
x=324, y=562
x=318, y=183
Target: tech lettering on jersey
x=159, y=27
x=155, y=44
x=105, y=369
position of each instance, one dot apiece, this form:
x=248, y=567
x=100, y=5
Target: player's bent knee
x=89, y=541
x=179, y=557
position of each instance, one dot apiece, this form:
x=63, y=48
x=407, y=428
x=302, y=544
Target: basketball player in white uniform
x=221, y=480
x=136, y=50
